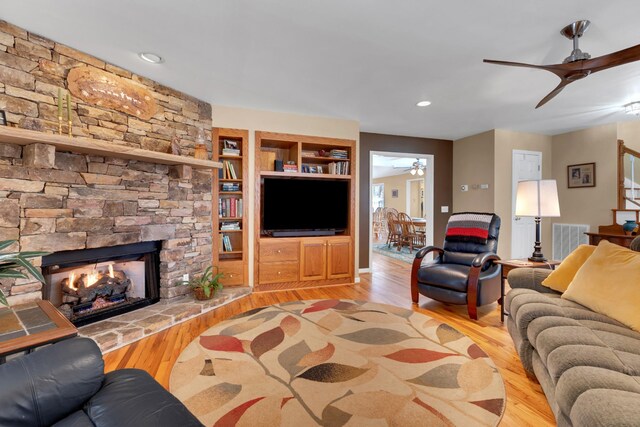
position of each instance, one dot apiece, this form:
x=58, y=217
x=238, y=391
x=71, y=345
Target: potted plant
x=206, y=285
x=11, y=262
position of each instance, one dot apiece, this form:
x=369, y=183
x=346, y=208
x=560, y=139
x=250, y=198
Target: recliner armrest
x=484, y=257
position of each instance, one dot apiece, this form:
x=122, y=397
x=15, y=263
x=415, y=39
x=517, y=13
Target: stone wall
x=32, y=68
x=54, y=201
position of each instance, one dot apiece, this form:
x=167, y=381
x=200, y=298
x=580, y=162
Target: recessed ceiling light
x=151, y=57
x=423, y=103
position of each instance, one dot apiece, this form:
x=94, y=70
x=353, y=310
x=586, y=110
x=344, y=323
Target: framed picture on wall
x=394, y=194
x=582, y=175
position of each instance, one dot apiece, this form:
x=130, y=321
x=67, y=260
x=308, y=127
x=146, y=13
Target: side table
x=510, y=264
x=25, y=327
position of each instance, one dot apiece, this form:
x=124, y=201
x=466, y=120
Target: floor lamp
x=537, y=198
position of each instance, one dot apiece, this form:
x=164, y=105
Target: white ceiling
x=367, y=60
x=382, y=166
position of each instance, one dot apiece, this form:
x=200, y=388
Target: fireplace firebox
x=94, y=284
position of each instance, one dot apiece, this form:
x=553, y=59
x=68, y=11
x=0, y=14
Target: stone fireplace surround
x=58, y=201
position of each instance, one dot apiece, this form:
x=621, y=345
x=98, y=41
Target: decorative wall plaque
x=103, y=89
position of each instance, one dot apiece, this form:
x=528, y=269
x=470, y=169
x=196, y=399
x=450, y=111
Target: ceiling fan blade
x=553, y=93
x=557, y=69
x=614, y=59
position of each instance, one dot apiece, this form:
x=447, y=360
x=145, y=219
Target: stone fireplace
x=94, y=284
x=59, y=202
x=57, y=198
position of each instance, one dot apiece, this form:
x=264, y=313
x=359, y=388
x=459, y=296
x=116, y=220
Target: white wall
x=270, y=121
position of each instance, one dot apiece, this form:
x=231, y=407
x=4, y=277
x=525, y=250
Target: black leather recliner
x=461, y=273
x=64, y=385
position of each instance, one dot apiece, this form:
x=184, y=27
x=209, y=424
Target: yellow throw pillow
x=609, y=283
x=562, y=276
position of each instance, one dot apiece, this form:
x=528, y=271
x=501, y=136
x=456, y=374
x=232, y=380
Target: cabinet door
x=339, y=262
x=313, y=255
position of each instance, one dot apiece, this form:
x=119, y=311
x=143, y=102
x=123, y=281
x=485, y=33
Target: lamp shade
x=537, y=198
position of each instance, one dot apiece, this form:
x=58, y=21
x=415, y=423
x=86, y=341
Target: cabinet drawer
x=275, y=272
x=233, y=273
x=279, y=251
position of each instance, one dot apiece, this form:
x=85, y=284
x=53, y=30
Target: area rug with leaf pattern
x=337, y=363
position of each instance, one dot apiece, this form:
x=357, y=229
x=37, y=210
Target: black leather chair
x=461, y=273
x=64, y=385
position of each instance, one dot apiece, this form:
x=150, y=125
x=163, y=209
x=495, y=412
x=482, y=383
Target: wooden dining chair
x=410, y=236
x=394, y=229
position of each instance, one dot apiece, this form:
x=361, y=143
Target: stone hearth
x=124, y=329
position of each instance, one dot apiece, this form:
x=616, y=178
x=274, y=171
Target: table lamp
x=537, y=198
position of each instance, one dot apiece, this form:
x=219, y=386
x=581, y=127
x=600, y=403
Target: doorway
x=403, y=181
x=527, y=165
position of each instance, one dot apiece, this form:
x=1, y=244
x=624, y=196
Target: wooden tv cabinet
x=297, y=262
x=302, y=262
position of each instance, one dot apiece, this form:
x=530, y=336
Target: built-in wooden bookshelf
x=230, y=236
x=297, y=262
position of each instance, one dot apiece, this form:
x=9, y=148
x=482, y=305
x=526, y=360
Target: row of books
x=226, y=226
x=230, y=207
x=229, y=171
x=339, y=168
x=230, y=186
x=225, y=243
x=339, y=154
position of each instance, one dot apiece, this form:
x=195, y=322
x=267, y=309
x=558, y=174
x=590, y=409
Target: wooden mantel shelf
x=99, y=147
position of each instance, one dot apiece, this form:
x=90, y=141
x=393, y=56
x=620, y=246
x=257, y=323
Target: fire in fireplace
x=93, y=284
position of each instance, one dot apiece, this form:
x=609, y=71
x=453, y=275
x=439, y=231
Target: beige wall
x=487, y=158
x=629, y=132
x=253, y=120
x=396, y=182
x=505, y=142
x=590, y=205
x=473, y=164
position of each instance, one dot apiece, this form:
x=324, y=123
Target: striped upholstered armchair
x=463, y=270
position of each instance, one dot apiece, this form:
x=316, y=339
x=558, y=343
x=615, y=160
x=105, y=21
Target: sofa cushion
x=125, y=392
x=609, y=283
x=560, y=278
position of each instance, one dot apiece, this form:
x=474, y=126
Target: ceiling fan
x=416, y=168
x=579, y=64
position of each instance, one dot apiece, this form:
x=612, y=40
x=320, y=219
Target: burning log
x=89, y=287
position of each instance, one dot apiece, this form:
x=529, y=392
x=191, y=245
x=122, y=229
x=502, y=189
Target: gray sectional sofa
x=587, y=364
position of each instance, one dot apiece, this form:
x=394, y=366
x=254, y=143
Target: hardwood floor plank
x=388, y=283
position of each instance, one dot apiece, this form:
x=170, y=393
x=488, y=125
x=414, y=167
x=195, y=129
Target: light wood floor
x=388, y=283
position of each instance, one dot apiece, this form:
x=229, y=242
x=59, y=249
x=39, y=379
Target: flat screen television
x=304, y=207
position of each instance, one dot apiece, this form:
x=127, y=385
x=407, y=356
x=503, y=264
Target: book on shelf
x=230, y=186
x=225, y=243
x=339, y=154
x=230, y=226
x=309, y=153
x=339, y=168
x=230, y=207
x=229, y=170
x=290, y=168
x=230, y=152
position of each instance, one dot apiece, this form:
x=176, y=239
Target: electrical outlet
x=464, y=187
x=484, y=186
x=444, y=209
x=185, y=277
